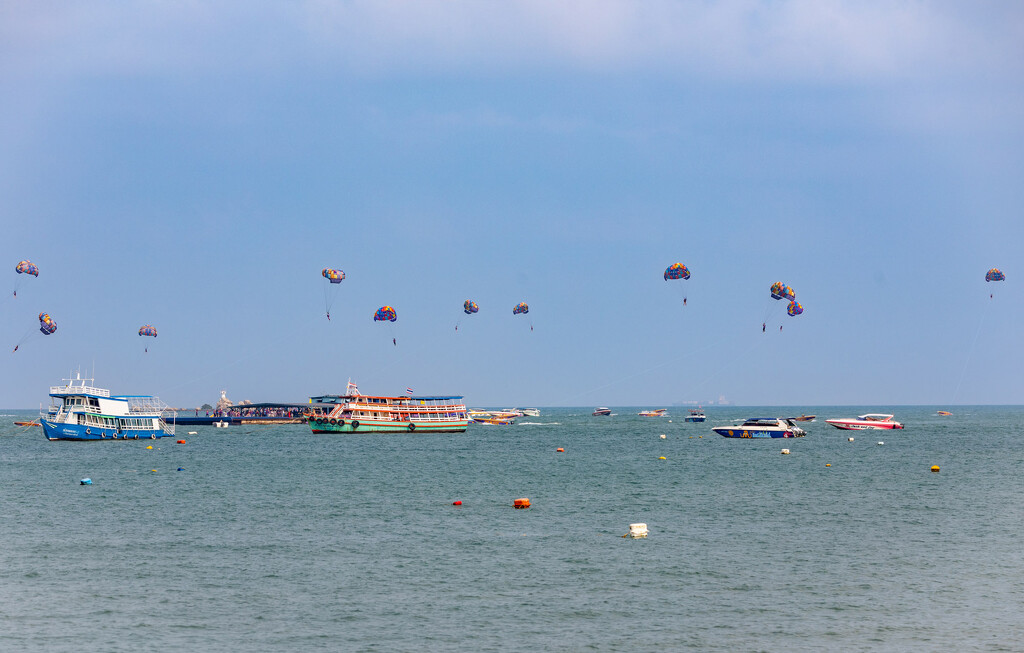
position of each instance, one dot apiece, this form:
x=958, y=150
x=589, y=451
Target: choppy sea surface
x=271, y=538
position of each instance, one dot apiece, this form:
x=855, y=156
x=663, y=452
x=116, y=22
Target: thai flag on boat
x=408, y=389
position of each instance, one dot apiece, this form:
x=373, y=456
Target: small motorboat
x=944, y=413
x=32, y=423
x=220, y=424
x=803, y=418
x=761, y=427
x=602, y=411
x=657, y=412
x=494, y=418
x=863, y=422
x=696, y=415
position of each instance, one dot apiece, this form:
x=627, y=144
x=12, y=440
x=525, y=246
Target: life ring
x=319, y=420
x=412, y=427
x=341, y=422
x=333, y=421
x=136, y=436
x=355, y=424
x=88, y=431
x=152, y=436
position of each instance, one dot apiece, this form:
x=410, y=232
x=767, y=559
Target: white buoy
x=638, y=530
x=662, y=436
x=192, y=433
x=849, y=439
x=785, y=451
x=880, y=443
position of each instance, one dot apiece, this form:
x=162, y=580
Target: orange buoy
x=560, y=450
x=181, y=442
x=456, y=503
x=521, y=503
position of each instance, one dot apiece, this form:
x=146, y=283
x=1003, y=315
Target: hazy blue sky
x=195, y=165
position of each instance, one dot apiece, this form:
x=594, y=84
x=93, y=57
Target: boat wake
x=539, y=423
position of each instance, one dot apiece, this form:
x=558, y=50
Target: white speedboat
x=868, y=421
x=761, y=427
x=602, y=411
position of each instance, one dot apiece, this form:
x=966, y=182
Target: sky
x=195, y=165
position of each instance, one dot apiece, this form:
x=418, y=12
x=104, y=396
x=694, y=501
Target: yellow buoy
x=935, y=468
x=152, y=470
x=662, y=458
x=150, y=447
x=828, y=464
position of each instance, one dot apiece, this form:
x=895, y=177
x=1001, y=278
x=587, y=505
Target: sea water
x=271, y=538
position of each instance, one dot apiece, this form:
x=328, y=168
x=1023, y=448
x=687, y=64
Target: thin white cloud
x=814, y=40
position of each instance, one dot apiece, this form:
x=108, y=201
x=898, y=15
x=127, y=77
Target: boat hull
x=323, y=425
x=78, y=432
x=695, y=419
x=752, y=434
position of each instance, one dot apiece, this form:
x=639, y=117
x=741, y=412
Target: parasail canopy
x=27, y=267
x=46, y=324
x=780, y=290
x=334, y=276
x=385, y=314
x=677, y=271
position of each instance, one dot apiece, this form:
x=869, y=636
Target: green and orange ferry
x=357, y=413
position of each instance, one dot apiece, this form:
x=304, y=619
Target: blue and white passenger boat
x=80, y=411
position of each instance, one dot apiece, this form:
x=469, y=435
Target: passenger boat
x=657, y=412
x=357, y=413
x=602, y=411
x=696, y=415
x=80, y=411
x=868, y=421
x=762, y=427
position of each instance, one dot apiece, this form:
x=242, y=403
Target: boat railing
x=146, y=405
x=70, y=389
